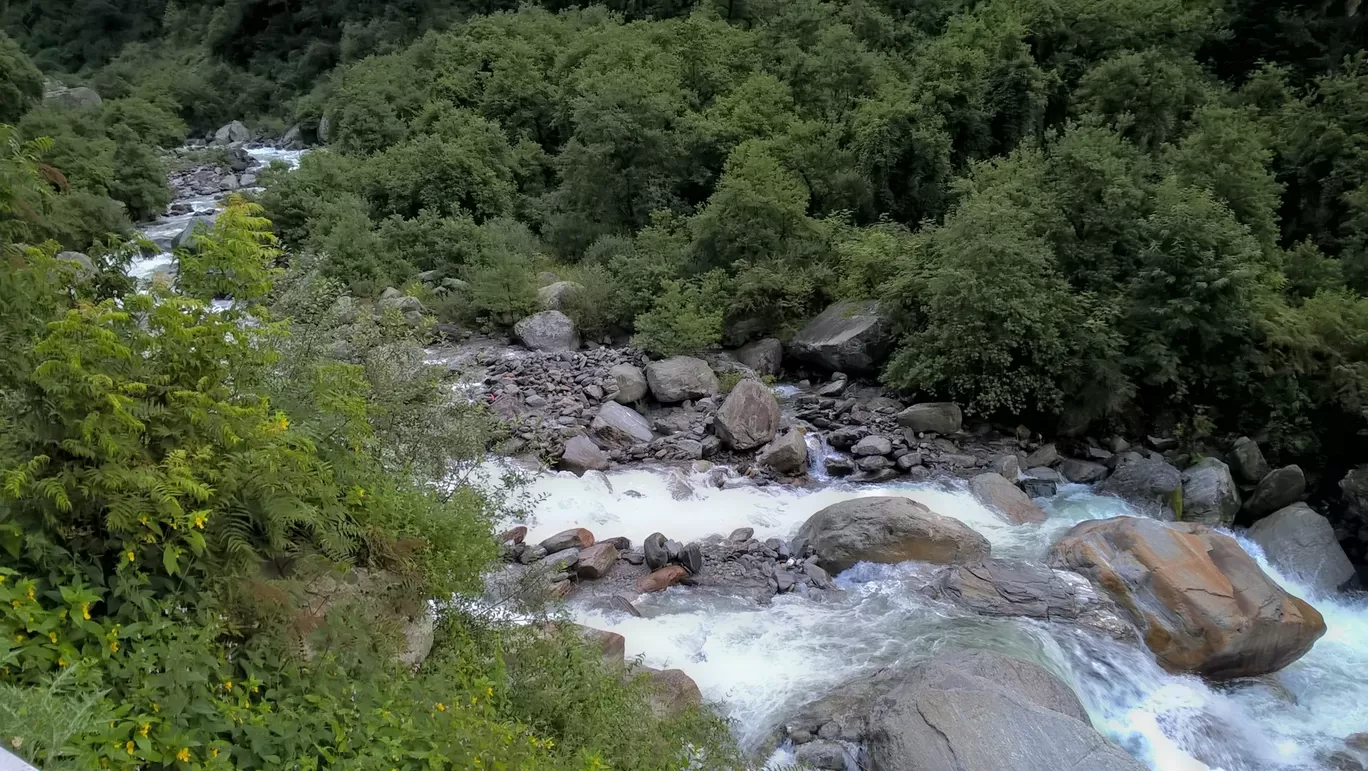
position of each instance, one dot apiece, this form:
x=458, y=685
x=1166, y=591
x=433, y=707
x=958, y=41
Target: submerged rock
x=1010, y=588
x=1200, y=602
x=888, y=530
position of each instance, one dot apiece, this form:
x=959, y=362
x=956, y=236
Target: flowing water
x=760, y=663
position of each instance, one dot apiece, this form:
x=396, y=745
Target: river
x=760, y=663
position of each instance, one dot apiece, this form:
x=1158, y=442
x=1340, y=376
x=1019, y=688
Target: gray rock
x=1038, y=488
x=982, y=711
x=1209, y=493
x=574, y=538
x=1247, y=461
x=691, y=557
x=1046, y=455
x=909, y=461
x=742, y=534
x=324, y=128
x=1009, y=588
x=186, y=238
x=888, y=530
x=557, y=296
x=548, y=331
x=1301, y=544
x=749, y=417
x=1009, y=466
x=994, y=491
x=933, y=417
x=232, y=134
x=1084, y=472
x=1280, y=488
x=596, y=561
x=872, y=445
x=84, y=267
x=631, y=383
x=680, y=378
x=821, y=754
x=1152, y=486
x=293, y=139
x=766, y=356
x=850, y=336
x=845, y=438
x=654, y=549
x=78, y=98
x=1354, y=490
x=582, y=455
x=616, y=427
x=873, y=463
x=787, y=454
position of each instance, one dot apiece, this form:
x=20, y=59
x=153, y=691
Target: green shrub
x=21, y=84
x=681, y=321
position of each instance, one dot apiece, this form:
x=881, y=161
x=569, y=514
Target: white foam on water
x=265, y=155
x=761, y=663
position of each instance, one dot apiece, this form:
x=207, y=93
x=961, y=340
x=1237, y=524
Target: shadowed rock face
x=1301, y=544
x=1200, y=602
x=849, y=336
x=889, y=530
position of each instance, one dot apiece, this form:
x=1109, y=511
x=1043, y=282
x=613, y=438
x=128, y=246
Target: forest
x=1139, y=216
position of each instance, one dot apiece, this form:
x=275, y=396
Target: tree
x=21, y=84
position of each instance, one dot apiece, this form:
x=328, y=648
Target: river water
x=760, y=663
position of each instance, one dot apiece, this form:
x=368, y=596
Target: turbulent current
x=760, y=663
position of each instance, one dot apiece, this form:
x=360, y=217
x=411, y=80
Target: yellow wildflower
x=30, y=592
x=145, y=728
x=113, y=646
x=199, y=521
x=155, y=708
x=85, y=611
x=213, y=752
x=131, y=557
x=61, y=662
x=184, y=755
x=52, y=636
x=129, y=747
x=255, y=689
x=17, y=742
x=15, y=603
x=441, y=707
x=2, y=578
x=227, y=685
x=18, y=638
x=489, y=691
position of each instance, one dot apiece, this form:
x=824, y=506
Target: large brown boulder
x=994, y=491
x=1200, y=602
x=888, y=530
x=983, y=711
x=749, y=417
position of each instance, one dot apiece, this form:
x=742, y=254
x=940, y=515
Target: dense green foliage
x=214, y=532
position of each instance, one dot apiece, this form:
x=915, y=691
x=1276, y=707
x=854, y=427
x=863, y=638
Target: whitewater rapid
x=759, y=664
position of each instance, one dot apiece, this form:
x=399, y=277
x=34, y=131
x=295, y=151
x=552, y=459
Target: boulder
x=672, y=692
x=1083, y=472
x=933, y=417
x=78, y=98
x=749, y=417
x=872, y=445
x=1209, y=494
x=1354, y=490
x=766, y=356
x=983, y=711
x=888, y=530
x=1280, y=488
x=1200, y=602
x=1009, y=588
x=1301, y=544
x=186, y=238
x=619, y=427
x=582, y=455
x=787, y=454
x=1152, y=486
x=232, y=134
x=994, y=491
x=597, y=560
x=631, y=383
x=680, y=378
x=661, y=579
x=293, y=138
x=85, y=268
x=850, y=336
x=574, y=538
x=324, y=129
x=556, y=297
x=1045, y=455
x=548, y=331
x=653, y=548
x=1247, y=460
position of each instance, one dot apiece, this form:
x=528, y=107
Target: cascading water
x=761, y=663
